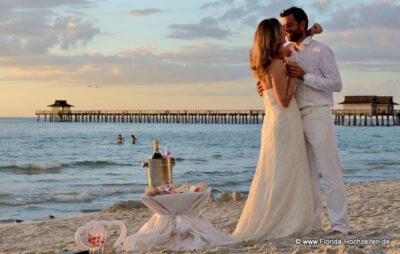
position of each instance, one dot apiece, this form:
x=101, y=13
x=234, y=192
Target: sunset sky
x=175, y=54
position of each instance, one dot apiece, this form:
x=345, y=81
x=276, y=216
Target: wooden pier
x=355, y=117
x=155, y=116
x=341, y=117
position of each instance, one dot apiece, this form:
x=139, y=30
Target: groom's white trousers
x=323, y=157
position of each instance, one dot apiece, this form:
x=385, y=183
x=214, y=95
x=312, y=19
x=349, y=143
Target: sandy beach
x=374, y=213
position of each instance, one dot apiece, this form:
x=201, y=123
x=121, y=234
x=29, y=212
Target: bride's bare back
x=277, y=80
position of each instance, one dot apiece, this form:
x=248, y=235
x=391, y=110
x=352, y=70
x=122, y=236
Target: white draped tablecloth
x=177, y=224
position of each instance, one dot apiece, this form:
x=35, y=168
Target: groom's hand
x=295, y=71
x=259, y=88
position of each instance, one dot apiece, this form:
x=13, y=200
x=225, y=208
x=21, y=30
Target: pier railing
x=154, y=112
x=155, y=116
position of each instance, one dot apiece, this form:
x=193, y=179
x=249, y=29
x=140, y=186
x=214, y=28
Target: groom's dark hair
x=298, y=14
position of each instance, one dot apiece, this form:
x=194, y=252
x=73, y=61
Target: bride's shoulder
x=276, y=65
x=276, y=69
x=276, y=62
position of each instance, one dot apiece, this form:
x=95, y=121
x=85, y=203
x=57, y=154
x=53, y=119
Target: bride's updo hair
x=267, y=46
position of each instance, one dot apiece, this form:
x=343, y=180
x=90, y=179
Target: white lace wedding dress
x=279, y=203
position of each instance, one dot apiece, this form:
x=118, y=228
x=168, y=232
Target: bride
x=279, y=203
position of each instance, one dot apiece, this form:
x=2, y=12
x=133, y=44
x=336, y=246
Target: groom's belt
x=309, y=109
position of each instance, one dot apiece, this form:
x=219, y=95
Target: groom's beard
x=293, y=37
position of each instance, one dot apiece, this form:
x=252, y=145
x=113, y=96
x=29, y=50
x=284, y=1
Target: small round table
x=177, y=224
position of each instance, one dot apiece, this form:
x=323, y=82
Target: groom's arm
x=330, y=79
x=260, y=89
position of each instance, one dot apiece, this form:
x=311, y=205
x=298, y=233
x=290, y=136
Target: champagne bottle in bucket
x=157, y=154
x=159, y=168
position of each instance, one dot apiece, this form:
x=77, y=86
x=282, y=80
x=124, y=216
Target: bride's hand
x=315, y=29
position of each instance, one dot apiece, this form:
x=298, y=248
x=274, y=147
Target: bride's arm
x=283, y=86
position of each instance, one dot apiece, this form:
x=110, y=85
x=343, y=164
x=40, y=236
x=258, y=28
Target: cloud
x=14, y=9
x=134, y=66
x=230, y=16
x=39, y=4
x=73, y=32
x=233, y=13
x=210, y=5
x=213, y=5
x=249, y=12
x=250, y=21
x=322, y=5
x=43, y=34
x=208, y=27
x=208, y=53
x=35, y=29
x=390, y=87
x=144, y=49
x=16, y=5
x=370, y=51
x=143, y=12
x=382, y=14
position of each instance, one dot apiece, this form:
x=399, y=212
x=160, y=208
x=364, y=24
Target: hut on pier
x=370, y=104
x=61, y=107
x=367, y=110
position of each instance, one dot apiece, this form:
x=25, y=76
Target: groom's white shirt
x=322, y=76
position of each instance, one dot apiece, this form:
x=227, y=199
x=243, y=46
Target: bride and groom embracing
x=298, y=139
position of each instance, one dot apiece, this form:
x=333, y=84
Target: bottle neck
x=156, y=146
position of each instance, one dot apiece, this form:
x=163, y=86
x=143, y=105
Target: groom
x=317, y=78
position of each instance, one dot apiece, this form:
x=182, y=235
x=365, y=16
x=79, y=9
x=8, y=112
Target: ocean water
x=66, y=169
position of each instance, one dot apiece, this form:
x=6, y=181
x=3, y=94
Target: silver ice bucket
x=159, y=171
